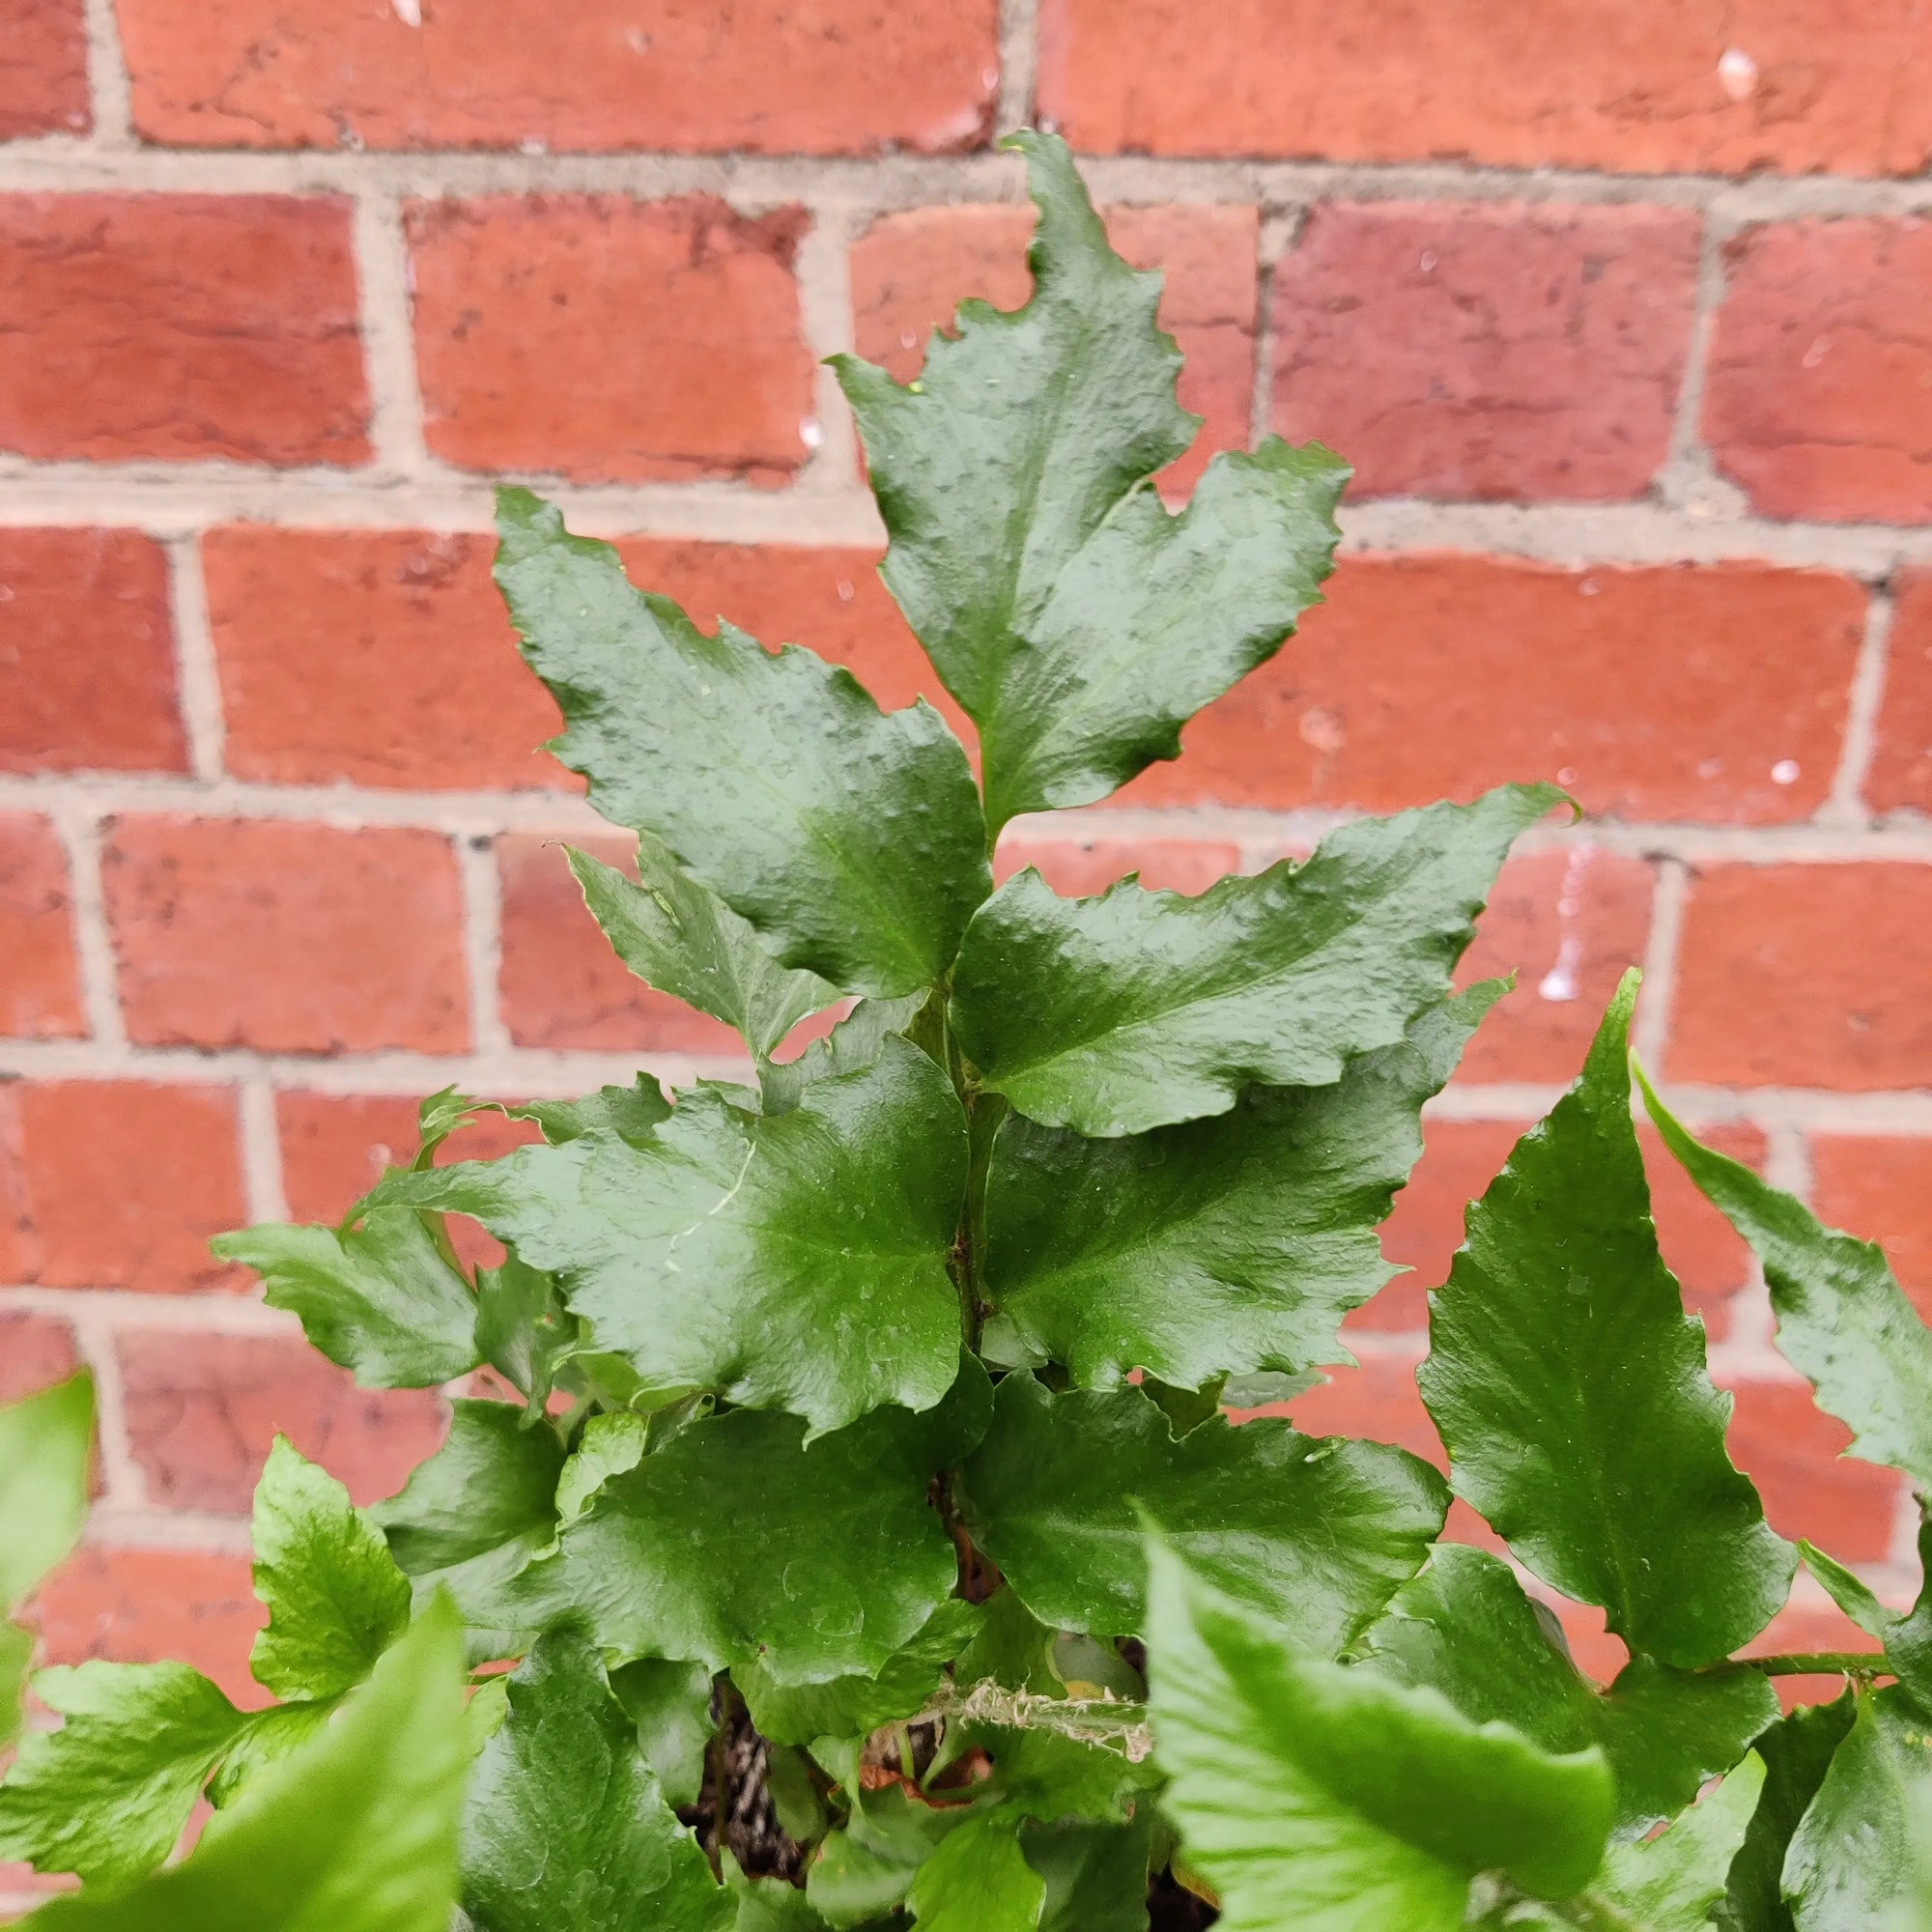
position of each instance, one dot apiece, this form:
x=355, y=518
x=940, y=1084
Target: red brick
x=87, y=668
x=1657, y=693
x=609, y=340
x=1566, y=923
x=36, y=1351
x=561, y=986
x=1805, y=975
x=1786, y=84
x=911, y=270
x=1819, y=397
x=1791, y=1449
x=1491, y=348
x=773, y=77
x=1880, y=1189
x=1079, y=868
x=43, y=69
x=1901, y=767
x=202, y=1410
x=117, y=1183
x=40, y=976
x=286, y=938
x=379, y=658
x=179, y=326
x=154, y=1606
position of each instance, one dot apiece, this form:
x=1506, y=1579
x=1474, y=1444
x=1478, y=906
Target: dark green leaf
x=687, y=941
x=1013, y=1648
x=669, y=1703
x=1842, y=1318
x=1076, y=621
x=1219, y=1246
x=336, y=1600
x=628, y=1112
x=1465, y=1628
x=977, y=1880
x=565, y=1829
x=1796, y=1751
x=381, y=1299
x=1319, y=1532
x=1096, y=1875
x=1327, y=1798
x=797, y=1263
x=856, y=1041
x=1114, y=1015
x=523, y=1328
x=1672, y=1883
x=1572, y=1393
x=356, y=1832
x=851, y=840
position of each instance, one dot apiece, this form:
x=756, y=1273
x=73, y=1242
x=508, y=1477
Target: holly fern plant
x=873, y=1545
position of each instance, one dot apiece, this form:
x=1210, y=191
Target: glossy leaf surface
x=1797, y=1753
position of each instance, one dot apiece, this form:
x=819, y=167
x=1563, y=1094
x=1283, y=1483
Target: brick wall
x=1622, y=317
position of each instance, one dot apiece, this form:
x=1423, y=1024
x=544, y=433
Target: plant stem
x=1822, y=1662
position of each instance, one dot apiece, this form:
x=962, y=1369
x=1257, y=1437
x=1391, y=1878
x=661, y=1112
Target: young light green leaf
x=797, y=1263
x=628, y=1112
x=1572, y=1393
x=669, y=1703
x=737, y=1539
x=1796, y=1751
x=1096, y=1876
x=1319, y=1532
x=1674, y=1882
x=851, y=840
x=685, y=941
x=1328, y=1800
x=109, y=1794
x=356, y=1832
x=1842, y=1318
x=263, y=1739
x=336, y=1600
x=1078, y=623
x=565, y=1830
x=1226, y=1246
x=381, y=1299
x=1138, y=1009
x=977, y=1880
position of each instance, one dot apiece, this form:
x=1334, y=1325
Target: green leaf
x=864, y=1872
x=628, y=1112
x=769, y=1904
x=336, y=1600
x=381, y=1299
x=268, y=1738
x=1319, y=1532
x=1672, y=1883
x=797, y=1263
x=471, y=1518
x=736, y=1538
x=1465, y=1628
x=523, y=1328
x=1572, y=1393
x=1013, y=1648
x=1908, y=1639
x=1847, y=1591
x=1096, y=1876
x=1225, y=1246
x=1326, y=1799
x=687, y=941
x=1040, y=1772
x=1138, y=1009
x=855, y=1042
x=1796, y=1751
x=1842, y=1318
x=109, y=1794
x=669, y=1702
x=977, y=1880
x=565, y=1829
x=850, y=840
x=1852, y=1856
x=848, y=1707
x=356, y=1832
x=1077, y=622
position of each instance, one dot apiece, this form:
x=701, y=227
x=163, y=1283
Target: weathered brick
x=152, y=1605
x=1487, y=349
x=202, y=1410
x=1819, y=396
x=376, y=657
x=911, y=270
x=36, y=1351
x=1791, y=1449
x=286, y=937
x=838, y=76
x=1566, y=923
x=1795, y=85
x=609, y=340
x=87, y=668
x=43, y=69
x=1717, y=694
x=1879, y=1187
x=1805, y=975
x=179, y=326
x=561, y=986
x=1901, y=768
x=117, y=1183
x=40, y=976
x=1079, y=868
